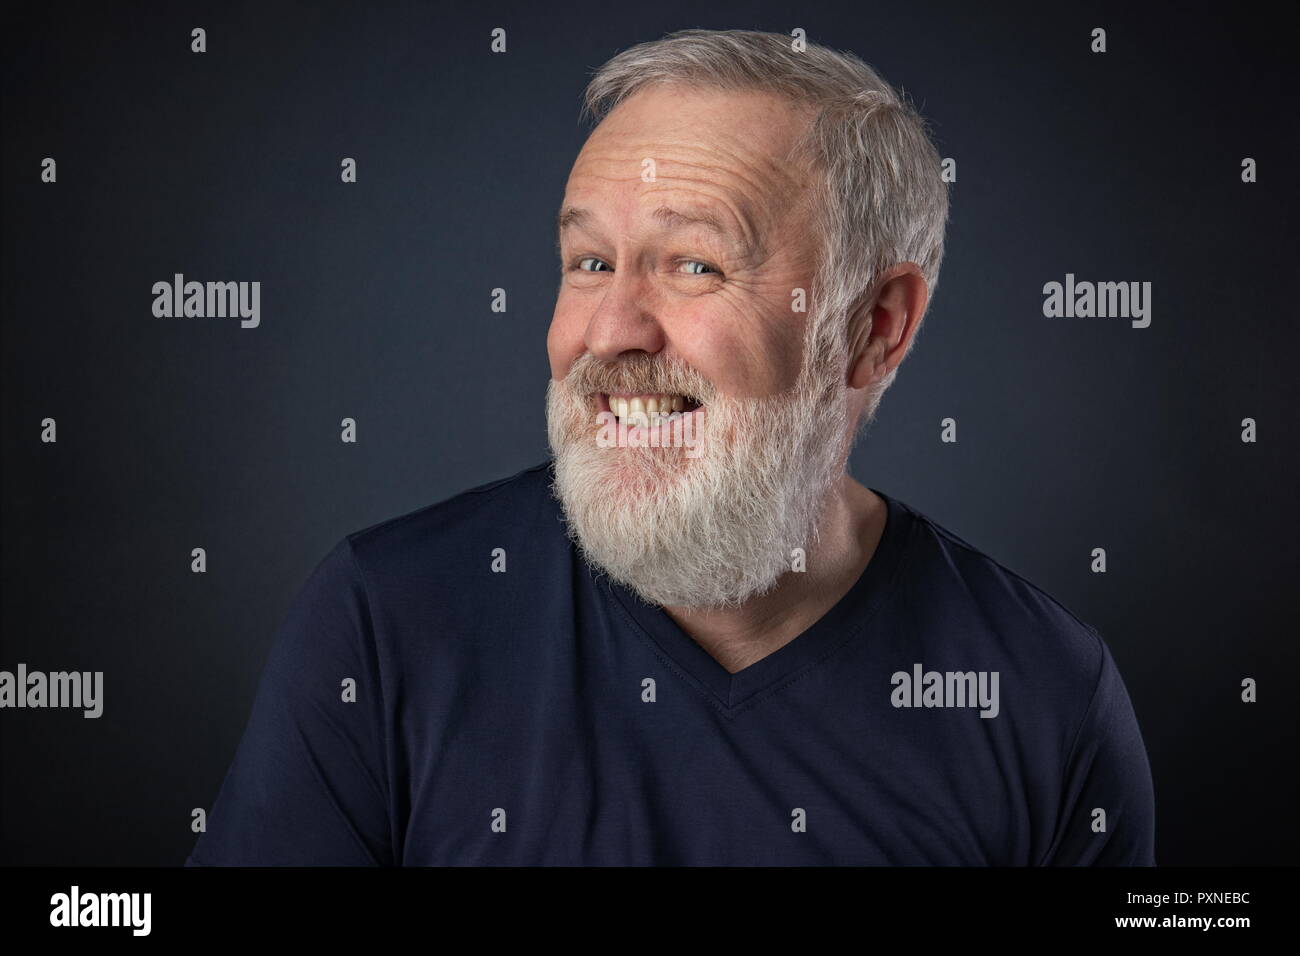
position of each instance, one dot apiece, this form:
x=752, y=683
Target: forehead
x=720, y=152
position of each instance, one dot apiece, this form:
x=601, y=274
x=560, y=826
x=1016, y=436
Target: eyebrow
x=666, y=216
x=675, y=219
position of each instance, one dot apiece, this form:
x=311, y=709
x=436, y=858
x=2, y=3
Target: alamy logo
x=644, y=429
x=1103, y=300
x=208, y=300
x=102, y=909
x=946, y=689
x=57, y=689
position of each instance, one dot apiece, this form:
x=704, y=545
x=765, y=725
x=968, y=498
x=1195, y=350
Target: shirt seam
x=385, y=740
x=1078, y=734
x=966, y=546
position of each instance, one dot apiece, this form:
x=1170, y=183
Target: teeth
x=647, y=411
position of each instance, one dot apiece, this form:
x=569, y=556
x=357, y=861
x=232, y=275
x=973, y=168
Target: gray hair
x=879, y=199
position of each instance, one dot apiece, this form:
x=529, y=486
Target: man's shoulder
x=501, y=502
x=517, y=510
x=982, y=599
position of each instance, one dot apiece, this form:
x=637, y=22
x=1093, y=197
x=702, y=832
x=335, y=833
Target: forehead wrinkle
x=733, y=210
x=712, y=216
x=729, y=186
x=753, y=173
x=722, y=145
x=736, y=186
x=757, y=172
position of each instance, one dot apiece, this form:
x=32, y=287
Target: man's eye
x=582, y=264
x=703, y=267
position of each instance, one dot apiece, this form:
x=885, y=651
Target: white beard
x=706, y=531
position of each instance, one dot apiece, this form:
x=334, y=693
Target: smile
x=646, y=409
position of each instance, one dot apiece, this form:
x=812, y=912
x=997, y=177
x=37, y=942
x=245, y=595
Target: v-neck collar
x=846, y=619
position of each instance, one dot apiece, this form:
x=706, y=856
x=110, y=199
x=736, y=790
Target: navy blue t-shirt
x=423, y=706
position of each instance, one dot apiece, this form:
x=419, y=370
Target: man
x=693, y=638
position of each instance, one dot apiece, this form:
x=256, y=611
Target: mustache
x=640, y=372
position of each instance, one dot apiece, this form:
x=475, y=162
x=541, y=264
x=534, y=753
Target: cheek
x=745, y=356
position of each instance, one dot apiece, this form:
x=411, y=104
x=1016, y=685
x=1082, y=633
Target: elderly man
x=692, y=638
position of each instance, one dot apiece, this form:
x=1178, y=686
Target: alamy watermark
x=75, y=908
x=922, y=688
x=1085, y=300
x=180, y=299
x=75, y=689
x=649, y=430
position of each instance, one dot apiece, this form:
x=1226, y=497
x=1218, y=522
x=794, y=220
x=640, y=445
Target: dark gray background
x=183, y=433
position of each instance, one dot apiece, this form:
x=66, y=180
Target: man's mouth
x=647, y=409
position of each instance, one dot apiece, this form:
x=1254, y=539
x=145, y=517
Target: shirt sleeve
x=308, y=785
x=1107, y=770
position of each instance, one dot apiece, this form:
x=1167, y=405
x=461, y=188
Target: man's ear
x=884, y=322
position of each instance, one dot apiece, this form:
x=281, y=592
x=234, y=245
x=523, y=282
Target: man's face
x=685, y=233
x=720, y=302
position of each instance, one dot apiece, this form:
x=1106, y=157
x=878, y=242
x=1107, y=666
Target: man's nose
x=623, y=321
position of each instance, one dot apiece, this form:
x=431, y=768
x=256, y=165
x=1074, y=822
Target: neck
x=852, y=522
